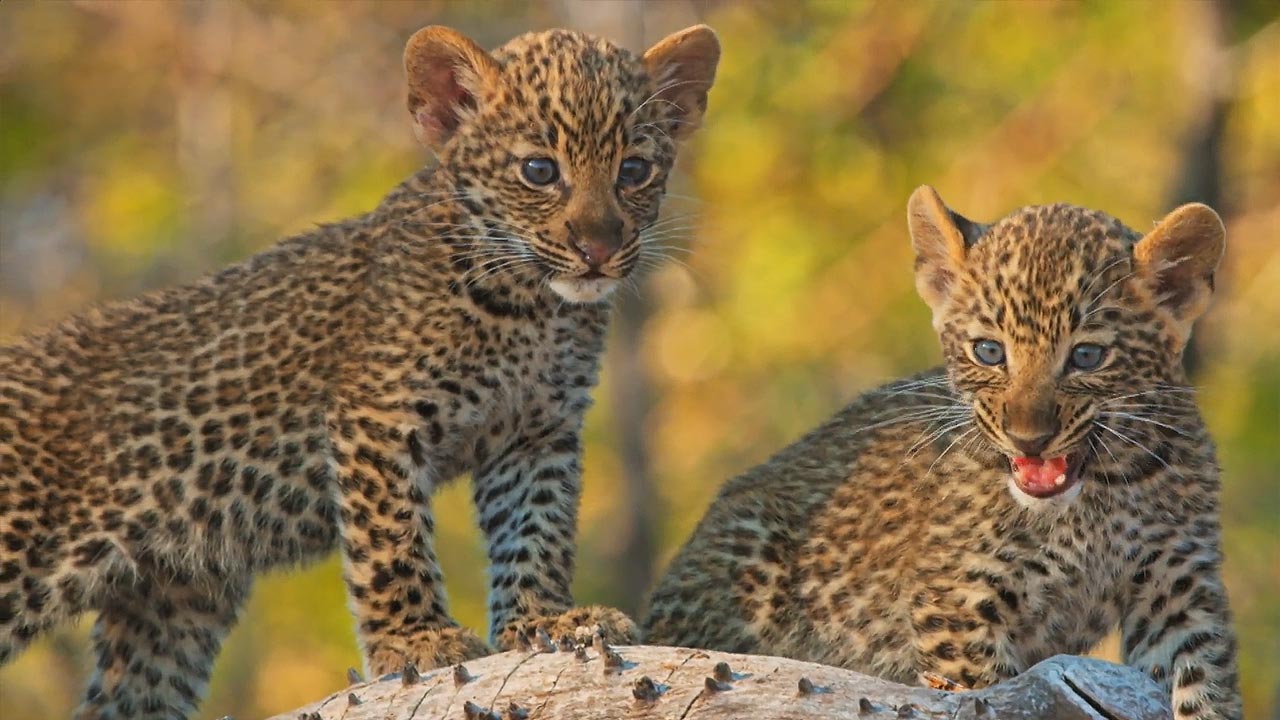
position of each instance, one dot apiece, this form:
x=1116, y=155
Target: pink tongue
x=1035, y=474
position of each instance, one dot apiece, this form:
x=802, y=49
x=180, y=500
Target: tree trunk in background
x=631, y=396
x=664, y=682
x=630, y=384
x=1211, y=71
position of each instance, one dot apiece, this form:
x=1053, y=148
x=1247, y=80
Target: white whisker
x=1139, y=418
x=1136, y=444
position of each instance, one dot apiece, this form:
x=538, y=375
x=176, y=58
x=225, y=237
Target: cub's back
x=140, y=412
x=734, y=583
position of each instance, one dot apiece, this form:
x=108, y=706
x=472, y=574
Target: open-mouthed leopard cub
x=1052, y=481
x=156, y=454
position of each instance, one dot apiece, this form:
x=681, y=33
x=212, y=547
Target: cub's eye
x=634, y=171
x=1087, y=356
x=540, y=171
x=988, y=352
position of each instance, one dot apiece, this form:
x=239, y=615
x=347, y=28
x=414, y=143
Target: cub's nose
x=596, y=243
x=594, y=252
x=1031, y=445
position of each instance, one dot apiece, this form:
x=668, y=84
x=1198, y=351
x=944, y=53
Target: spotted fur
x=155, y=455
x=891, y=539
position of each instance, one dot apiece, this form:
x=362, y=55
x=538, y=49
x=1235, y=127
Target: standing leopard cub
x=155, y=455
x=1052, y=481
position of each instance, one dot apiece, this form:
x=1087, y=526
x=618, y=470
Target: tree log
x=660, y=682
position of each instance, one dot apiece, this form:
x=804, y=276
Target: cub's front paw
x=616, y=627
x=426, y=649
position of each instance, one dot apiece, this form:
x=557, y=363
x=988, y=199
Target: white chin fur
x=580, y=290
x=1047, y=504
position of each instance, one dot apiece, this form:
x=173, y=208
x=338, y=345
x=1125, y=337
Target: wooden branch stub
x=542, y=641
x=657, y=683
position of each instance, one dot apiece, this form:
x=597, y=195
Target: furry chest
x=1068, y=591
x=457, y=412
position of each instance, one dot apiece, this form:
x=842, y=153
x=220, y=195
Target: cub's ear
x=683, y=68
x=447, y=74
x=941, y=239
x=1178, y=259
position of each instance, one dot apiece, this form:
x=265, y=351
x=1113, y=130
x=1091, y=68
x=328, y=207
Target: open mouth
x=1046, y=477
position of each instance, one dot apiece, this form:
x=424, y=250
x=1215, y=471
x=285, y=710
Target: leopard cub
x=155, y=455
x=1053, y=480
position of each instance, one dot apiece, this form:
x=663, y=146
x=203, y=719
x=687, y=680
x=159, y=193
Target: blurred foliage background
x=143, y=144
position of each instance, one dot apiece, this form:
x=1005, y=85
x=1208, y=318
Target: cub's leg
x=1178, y=630
x=394, y=584
x=156, y=642
x=527, y=502
x=34, y=599
x=961, y=641
x=47, y=575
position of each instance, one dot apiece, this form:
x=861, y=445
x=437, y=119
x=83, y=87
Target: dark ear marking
x=969, y=230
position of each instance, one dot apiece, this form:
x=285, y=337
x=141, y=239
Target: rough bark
x=660, y=682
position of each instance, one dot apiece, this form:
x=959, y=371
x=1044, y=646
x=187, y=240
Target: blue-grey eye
x=1087, y=356
x=540, y=171
x=634, y=171
x=988, y=352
